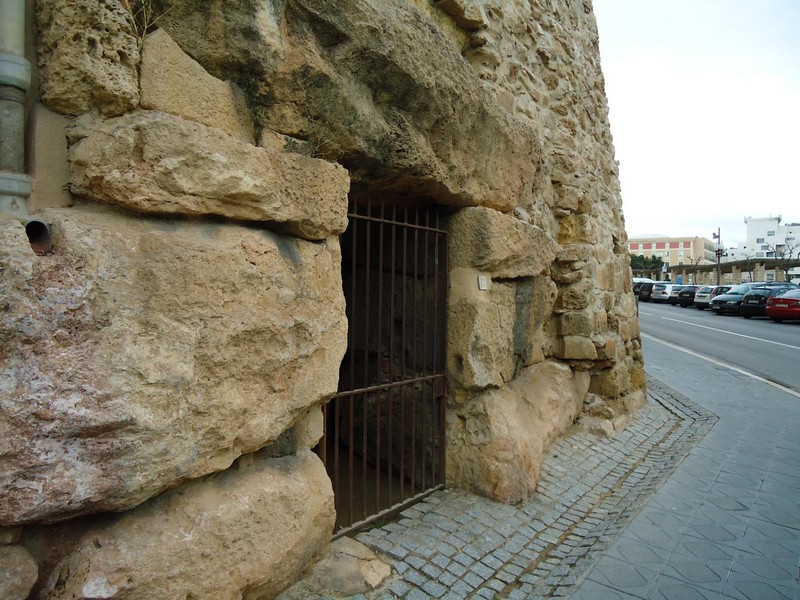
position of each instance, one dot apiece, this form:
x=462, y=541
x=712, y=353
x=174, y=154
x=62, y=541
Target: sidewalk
x=679, y=505
x=727, y=523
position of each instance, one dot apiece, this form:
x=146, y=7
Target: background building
x=767, y=238
x=675, y=250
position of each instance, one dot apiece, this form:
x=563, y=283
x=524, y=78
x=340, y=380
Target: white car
x=661, y=292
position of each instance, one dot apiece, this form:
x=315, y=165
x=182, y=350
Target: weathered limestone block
x=487, y=240
x=88, y=56
x=18, y=573
x=9, y=535
x=576, y=297
x=357, y=77
x=578, y=228
x=582, y=322
x=350, y=568
x=612, y=382
x=469, y=14
x=157, y=163
x=535, y=300
x=173, y=82
x=575, y=347
x=143, y=353
x=497, y=438
x=481, y=334
x=245, y=533
x=494, y=333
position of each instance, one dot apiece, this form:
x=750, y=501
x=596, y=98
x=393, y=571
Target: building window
x=674, y=244
x=634, y=246
x=770, y=276
x=770, y=234
x=759, y=255
x=770, y=255
x=647, y=246
x=659, y=245
x=759, y=240
x=765, y=247
x=687, y=244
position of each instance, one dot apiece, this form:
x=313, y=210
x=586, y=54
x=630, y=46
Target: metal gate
x=383, y=445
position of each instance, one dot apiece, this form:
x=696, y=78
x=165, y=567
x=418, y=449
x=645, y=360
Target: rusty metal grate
x=384, y=431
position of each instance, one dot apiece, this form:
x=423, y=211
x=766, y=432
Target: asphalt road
x=758, y=346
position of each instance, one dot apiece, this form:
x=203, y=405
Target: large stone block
x=88, y=56
x=494, y=333
x=18, y=573
x=143, y=353
x=481, y=337
x=615, y=381
x=505, y=246
x=574, y=347
x=377, y=88
x=496, y=439
x=173, y=82
x=157, y=163
x=246, y=533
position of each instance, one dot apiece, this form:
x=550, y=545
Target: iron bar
x=393, y=379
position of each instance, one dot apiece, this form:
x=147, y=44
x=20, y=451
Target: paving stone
x=414, y=577
x=456, y=545
x=399, y=587
x=473, y=579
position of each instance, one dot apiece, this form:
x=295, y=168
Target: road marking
x=644, y=313
x=722, y=364
x=749, y=337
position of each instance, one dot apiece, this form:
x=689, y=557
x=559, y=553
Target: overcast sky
x=704, y=99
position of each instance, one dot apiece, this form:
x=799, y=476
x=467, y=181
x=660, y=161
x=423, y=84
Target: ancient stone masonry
x=164, y=358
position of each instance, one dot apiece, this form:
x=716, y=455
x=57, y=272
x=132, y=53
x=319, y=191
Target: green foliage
x=645, y=263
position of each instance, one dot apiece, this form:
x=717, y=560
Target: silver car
x=703, y=296
x=661, y=292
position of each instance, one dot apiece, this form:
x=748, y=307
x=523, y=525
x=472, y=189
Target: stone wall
x=165, y=358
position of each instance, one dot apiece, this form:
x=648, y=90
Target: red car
x=784, y=307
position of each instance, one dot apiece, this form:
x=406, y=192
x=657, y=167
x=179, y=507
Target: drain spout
x=15, y=81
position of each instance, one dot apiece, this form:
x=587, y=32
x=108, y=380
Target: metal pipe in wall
x=15, y=81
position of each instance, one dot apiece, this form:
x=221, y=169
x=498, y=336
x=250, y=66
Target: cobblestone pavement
x=458, y=545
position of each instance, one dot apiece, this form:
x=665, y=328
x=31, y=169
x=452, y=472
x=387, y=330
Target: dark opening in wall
x=384, y=431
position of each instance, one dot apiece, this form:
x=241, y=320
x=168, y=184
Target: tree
x=748, y=264
x=787, y=256
x=646, y=263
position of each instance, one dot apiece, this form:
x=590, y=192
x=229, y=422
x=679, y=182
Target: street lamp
x=717, y=237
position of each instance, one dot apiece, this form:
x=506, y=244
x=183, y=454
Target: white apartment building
x=765, y=235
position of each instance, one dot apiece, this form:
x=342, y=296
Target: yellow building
x=675, y=250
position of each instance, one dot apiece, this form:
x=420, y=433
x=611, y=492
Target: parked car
x=754, y=302
x=661, y=292
x=703, y=296
x=646, y=291
x=729, y=302
x=784, y=307
x=686, y=295
x=637, y=283
x=673, y=295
